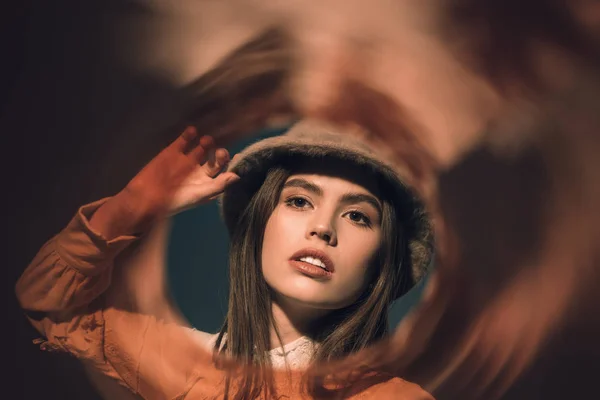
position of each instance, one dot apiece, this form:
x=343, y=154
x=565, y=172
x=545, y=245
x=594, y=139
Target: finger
x=222, y=157
x=218, y=163
x=210, y=158
x=185, y=140
x=198, y=153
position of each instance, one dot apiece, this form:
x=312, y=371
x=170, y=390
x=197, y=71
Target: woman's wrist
x=118, y=217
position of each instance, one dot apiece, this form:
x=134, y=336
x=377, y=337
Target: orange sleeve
x=62, y=292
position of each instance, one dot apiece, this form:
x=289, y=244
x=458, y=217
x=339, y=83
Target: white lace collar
x=297, y=353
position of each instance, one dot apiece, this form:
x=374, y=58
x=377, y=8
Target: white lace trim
x=294, y=355
x=297, y=354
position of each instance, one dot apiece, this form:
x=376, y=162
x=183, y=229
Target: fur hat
x=315, y=139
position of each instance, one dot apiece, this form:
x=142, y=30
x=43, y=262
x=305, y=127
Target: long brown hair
x=245, y=334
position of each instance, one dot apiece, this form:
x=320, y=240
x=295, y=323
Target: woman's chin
x=315, y=298
x=313, y=293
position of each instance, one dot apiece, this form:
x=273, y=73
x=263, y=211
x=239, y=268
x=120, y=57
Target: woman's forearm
x=117, y=217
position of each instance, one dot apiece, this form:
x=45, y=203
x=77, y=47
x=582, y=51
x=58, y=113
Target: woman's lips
x=311, y=270
x=314, y=253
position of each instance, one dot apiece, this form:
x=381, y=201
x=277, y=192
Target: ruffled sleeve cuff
x=85, y=249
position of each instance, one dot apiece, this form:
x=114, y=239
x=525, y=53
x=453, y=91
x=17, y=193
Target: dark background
x=77, y=123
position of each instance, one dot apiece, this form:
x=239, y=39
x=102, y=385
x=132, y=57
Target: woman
x=324, y=236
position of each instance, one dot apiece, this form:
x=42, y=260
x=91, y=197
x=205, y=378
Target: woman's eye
x=298, y=202
x=359, y=218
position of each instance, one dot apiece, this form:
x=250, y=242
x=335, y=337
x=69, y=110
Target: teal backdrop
x=197, y=262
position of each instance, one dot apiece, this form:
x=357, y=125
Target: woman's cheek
x=359, y=253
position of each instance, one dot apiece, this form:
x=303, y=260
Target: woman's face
x=321, y=240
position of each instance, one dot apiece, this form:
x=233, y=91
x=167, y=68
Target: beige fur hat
x=315, y=139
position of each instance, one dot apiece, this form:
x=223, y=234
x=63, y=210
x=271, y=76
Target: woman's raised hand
x=184, y=174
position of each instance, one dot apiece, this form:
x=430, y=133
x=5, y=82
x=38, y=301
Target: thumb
x=218, y=184
x=227, y=178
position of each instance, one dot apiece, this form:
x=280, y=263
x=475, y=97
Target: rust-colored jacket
x=66, y=294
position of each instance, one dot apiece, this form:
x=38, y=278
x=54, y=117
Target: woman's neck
x=293, y=321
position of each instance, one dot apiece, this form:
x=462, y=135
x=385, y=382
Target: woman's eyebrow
x=352, y=198
x=304, y=184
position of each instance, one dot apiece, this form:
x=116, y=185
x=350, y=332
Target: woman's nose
x=325, y=231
